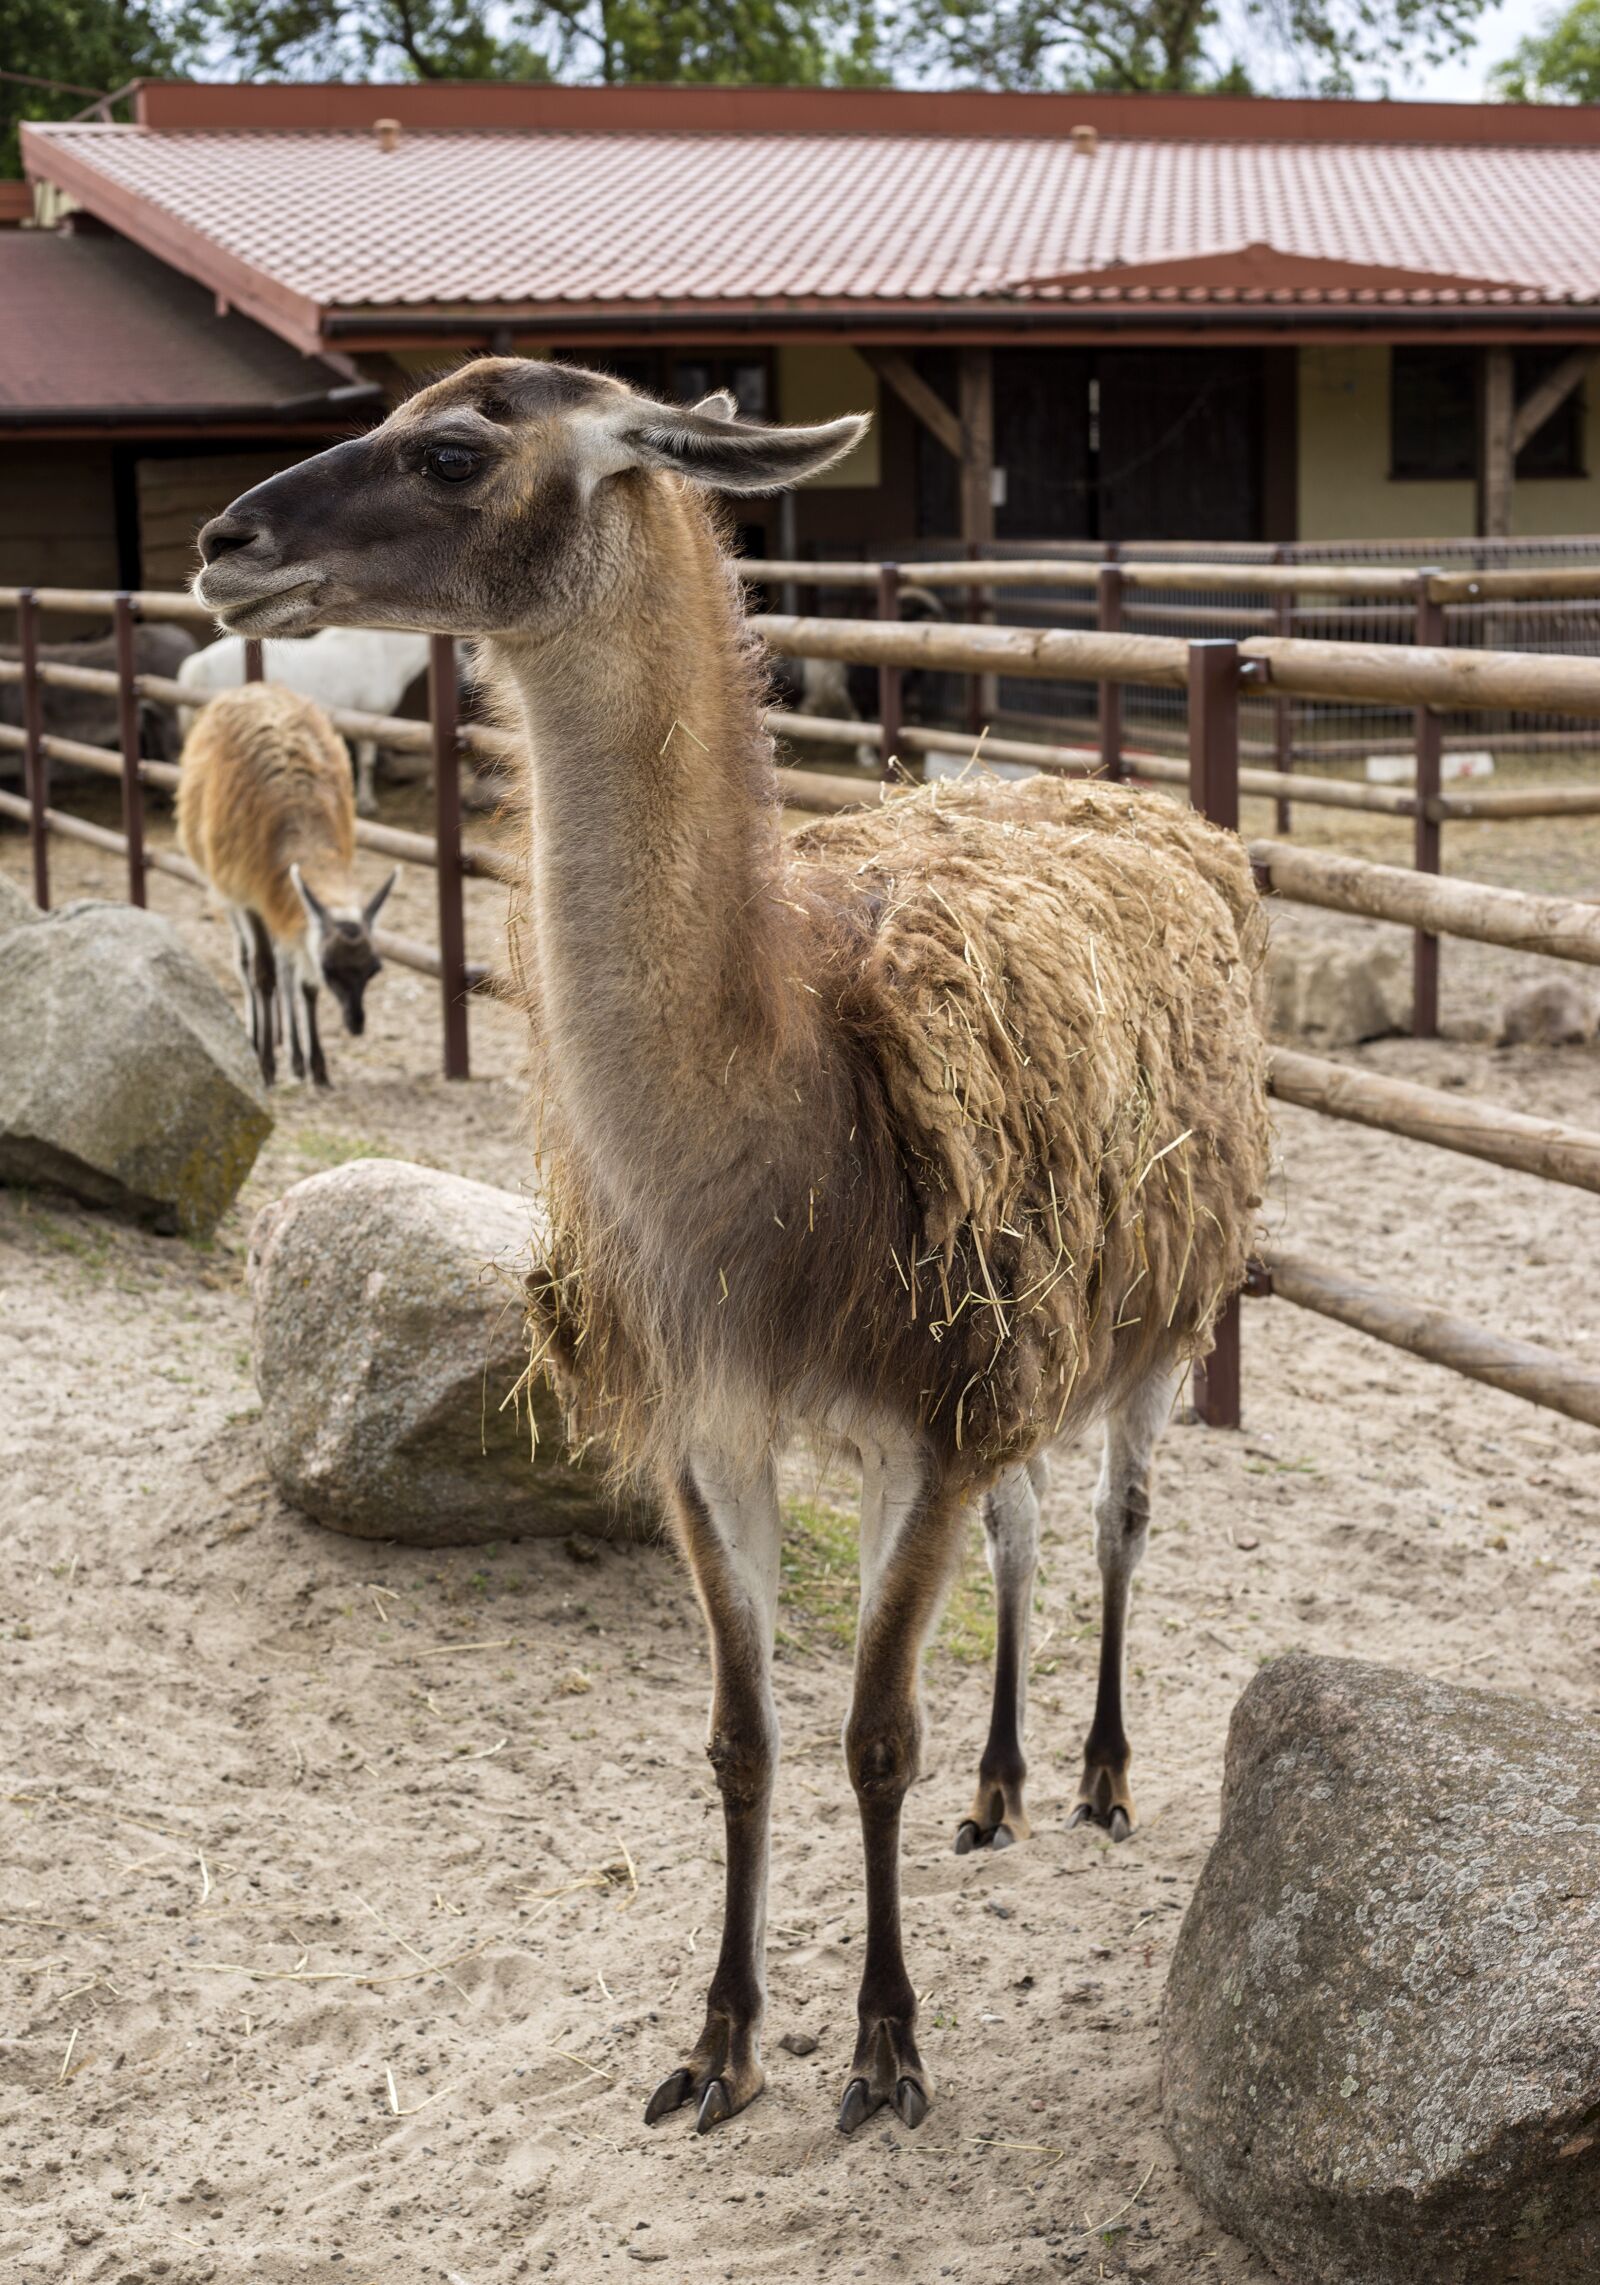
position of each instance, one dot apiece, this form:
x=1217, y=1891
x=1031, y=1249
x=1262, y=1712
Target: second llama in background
x=266, y=810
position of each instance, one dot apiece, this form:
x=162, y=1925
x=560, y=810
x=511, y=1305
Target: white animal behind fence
x=355, y=667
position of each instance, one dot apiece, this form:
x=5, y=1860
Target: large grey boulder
x=389, y=1334
x=125, y=1078
x=1335, y=991
x=17, y=908
x=1382, y=2028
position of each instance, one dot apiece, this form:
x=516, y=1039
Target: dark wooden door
x=1042, y=442
x=1179, y=444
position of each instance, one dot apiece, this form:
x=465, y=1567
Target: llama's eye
x=450, y=463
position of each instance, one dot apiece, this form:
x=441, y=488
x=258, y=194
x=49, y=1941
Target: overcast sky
x=1499, y=31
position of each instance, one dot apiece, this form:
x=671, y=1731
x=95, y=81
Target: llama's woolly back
x=1042, y=1002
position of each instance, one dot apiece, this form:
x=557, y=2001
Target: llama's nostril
x=225, y=535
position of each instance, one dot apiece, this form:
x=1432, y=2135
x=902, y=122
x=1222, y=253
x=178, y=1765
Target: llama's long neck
x=659, y=935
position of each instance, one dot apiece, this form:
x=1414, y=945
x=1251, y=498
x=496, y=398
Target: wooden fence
x=1212, y=674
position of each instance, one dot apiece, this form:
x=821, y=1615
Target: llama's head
x=504, y=499
x=341, y=946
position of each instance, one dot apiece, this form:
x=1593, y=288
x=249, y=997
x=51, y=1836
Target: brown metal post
x=123, y=614
x=1108, y=618
x=975, y=613
x=889, y=683
x=1214, y=731
x=1426, y=855
x=1214, y=791
x=1283, y=708
x=35, y=768
x=447, y=836
x=254, y=667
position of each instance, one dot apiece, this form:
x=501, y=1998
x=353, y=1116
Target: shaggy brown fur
x=266, y=784
x=1041, y=1039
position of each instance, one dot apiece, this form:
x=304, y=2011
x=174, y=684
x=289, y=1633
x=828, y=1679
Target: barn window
x=1433, y=415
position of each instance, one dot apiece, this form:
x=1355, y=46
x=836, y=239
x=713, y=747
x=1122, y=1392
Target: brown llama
x=939, y=1129
x=266, y=810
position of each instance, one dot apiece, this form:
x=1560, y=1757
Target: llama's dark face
x=348, y=965
x=341, y=946
x=501, y=500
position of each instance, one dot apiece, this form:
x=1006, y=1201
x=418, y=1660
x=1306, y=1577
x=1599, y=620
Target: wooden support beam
x=1522, y=1368
x=899, y=374
x=977, y=446
x=1551, y=394
x=1496, y=453
x=1562, y=928
x=1545, y=1147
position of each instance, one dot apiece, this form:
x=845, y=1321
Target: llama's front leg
x=1011, y=1532
x=1122, y=1526
x=730, y=1532
x=911, y=1530
x=265, y=969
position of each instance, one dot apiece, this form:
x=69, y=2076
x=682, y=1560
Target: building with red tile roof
x=1078, y=317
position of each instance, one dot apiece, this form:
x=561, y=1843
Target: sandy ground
x=354, y=1898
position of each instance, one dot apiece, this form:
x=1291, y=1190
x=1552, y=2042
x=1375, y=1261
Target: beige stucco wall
x=819, y=380
x=1346, y=491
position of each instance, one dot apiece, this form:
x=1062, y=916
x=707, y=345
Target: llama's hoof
x=672, y=2093
x=1102, y=1808
x=887, y=2072
x=717, y=2092
x=970, y=1836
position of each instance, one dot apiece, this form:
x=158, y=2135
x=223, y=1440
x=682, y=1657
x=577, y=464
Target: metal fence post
x=889, y=677
x=976, y=614
x=1109, y=586
x=1214, y=791
x=123, y=615
x=35, y=768
x=254, y=666
x=447, y=837
x=1283, y=708
x=1426, y=853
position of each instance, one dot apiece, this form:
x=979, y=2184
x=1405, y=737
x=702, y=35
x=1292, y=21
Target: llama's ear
x=736, y=456
x=721, y=405
x=375, y=903
x=315, y=908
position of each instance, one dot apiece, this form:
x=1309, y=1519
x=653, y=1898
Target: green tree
x=1329, y=47
x=93, y=46
x=730, y=41
x=1561, y=64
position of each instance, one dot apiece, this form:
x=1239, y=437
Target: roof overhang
x=295, y=318
x=180, y=106
x=507, y=330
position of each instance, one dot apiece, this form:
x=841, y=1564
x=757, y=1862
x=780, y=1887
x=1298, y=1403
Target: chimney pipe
x=388, y=133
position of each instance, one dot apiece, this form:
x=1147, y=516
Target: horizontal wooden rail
x=1560, y=928
x=1521, y=1368
x=155, y=603
x=1425, y=675
x=1400, y=674
x=1046, y=653
x=1378, y=582
x=1436, y=1115
x=1521, y=801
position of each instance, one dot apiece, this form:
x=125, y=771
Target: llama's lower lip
x=286, y=607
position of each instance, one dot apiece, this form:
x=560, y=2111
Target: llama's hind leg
x=1122, y=1527
x=1011, y=1535
x=911, y=1533
x=730, y=1533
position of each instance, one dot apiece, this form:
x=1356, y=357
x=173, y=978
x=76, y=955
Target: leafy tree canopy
x=1320, y=47
x=1561, y=64
x=95, y=45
